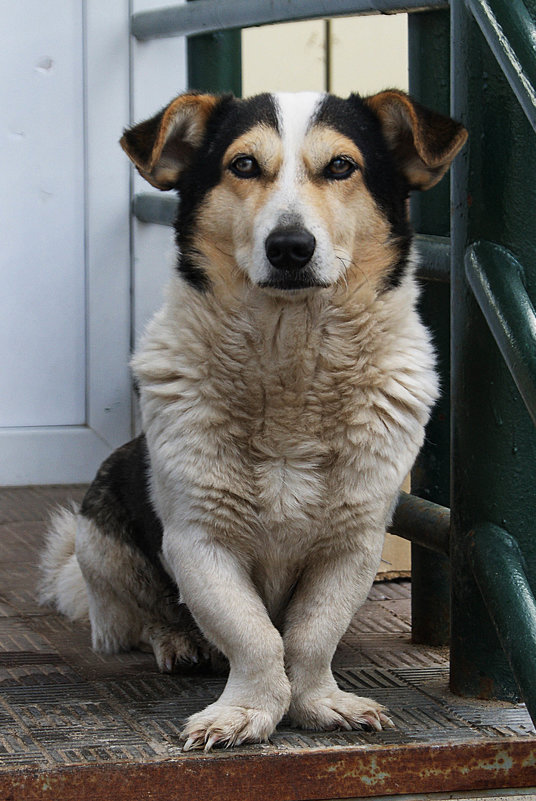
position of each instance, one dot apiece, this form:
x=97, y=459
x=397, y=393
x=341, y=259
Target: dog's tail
x=62, y=584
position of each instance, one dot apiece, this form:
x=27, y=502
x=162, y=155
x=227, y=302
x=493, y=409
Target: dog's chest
x=297, y=413
x=295, y=405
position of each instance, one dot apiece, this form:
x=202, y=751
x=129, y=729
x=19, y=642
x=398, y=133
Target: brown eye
x=245, y=167
x=340, y=167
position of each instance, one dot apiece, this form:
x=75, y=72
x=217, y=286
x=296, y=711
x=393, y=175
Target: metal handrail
x=208, y=16
x=495, y=276
x=422, y=522
x=511, y=34
x=496, y=279
x=500, y=572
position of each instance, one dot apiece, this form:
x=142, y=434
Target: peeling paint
x=44, y=65
x=376, y=775
x=502, y=762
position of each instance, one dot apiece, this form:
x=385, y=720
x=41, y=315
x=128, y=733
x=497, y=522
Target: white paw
x=225, y=725
x=339, y=710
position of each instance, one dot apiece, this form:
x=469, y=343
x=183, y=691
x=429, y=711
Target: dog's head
x=294, y=191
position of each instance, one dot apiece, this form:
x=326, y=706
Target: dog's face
x=294, y=192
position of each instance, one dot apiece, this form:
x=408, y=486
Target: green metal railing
x=493, y=352
x=208, y=16
x=486, y=344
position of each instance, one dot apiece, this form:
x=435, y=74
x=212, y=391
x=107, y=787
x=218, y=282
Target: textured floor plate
x=77, y=724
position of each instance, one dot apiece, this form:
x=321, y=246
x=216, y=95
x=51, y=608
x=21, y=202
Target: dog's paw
x=225, y=725
x=175, y=649
x=339, y=710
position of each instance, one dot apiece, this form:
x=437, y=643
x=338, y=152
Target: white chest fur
x=287, y=416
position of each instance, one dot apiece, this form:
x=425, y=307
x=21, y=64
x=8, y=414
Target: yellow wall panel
x=369, y=54
x=366, y=54
x=283, y=58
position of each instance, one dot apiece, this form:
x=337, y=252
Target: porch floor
x=76, y=724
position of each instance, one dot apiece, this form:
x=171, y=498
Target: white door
x=65, y=398
x=78, y=278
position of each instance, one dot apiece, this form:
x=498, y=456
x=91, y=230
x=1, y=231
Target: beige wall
x=283, y=58
x=367, y=54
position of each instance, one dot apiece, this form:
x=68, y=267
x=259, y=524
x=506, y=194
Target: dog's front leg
x=223, y=600
x=327, y=596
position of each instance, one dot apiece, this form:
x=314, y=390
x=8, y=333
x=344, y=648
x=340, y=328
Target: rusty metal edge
x=364, y=772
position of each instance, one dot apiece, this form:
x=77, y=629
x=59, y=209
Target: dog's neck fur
x=279, y=342
x=287, y=384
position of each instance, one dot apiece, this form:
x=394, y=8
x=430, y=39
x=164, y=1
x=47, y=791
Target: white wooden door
x=78, y=277
x=65, y=397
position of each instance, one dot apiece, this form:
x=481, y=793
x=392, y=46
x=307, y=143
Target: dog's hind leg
x=117, y=570
x=173, y=647
x=131, y=603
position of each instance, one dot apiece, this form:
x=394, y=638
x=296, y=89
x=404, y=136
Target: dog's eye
x=245, y=167
x=340, y=167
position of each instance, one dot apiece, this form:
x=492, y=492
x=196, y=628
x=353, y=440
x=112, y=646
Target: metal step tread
x=92, y=726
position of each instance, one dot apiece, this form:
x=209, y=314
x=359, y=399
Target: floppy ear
x=161, y=147
x=423, y=142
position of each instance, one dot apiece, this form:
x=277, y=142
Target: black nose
x=290, y=248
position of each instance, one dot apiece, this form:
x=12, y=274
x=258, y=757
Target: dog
x=284, y=386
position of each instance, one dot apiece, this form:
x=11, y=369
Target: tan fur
x=425, y=143
x=357, y=228
x=183, y=120
x=227, y=217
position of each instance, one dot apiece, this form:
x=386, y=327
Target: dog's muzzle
x=290, y=249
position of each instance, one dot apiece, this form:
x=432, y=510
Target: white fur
x=62, y=583
x=295, y=112
x=279, y=432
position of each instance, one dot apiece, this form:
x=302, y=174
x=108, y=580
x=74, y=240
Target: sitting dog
x=284, y=388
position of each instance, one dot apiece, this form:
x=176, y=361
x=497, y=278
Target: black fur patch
x=354, y=119
x=230, y=119
x=118, y=501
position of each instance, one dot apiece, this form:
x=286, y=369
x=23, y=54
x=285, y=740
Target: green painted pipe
x=500, y=573
x=434, y=258
x=215, y=58
x=422, y=522
x=497, y=281
x=429, y=83
x=511, y=34
x=212, y=15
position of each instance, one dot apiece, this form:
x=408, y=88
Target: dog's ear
x=161, y=147
x=423, y=142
